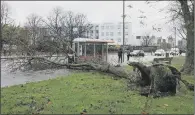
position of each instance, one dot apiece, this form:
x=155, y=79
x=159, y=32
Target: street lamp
x=175, y=40
x=123, y=27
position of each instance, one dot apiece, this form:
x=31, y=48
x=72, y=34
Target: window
x=126, y=33
x=107, y=27
x=112, y=27
x=102, y=27
x=119, y=40
x=107, y=34
x=111, y=33
x=102, y=33
x=119, y=33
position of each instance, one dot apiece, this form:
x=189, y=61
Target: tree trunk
x=188, y=67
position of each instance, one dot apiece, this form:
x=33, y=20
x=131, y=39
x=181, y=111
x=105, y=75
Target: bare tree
x=5, y=21
x=79, y=23
x=147, y=40
x=33, y=25
x=184, y=12
x=5, y=15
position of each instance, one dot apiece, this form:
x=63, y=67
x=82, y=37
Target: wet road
x=18, y=77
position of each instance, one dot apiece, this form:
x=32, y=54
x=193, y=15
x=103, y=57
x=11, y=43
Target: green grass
x=93, y=91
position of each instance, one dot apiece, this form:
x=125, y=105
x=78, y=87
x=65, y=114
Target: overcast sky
x=99, y=12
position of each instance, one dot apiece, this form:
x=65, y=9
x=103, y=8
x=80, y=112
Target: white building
x=114, y=31
x=94, y=32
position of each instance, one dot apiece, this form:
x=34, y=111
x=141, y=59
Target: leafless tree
x=184, y=12
x=5, y=14
x=5, y=20
x=33, y=25
x=78, y=22
x=181, y=12
x=147, y=40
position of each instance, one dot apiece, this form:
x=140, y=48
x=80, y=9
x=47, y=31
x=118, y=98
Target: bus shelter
x=87, y=49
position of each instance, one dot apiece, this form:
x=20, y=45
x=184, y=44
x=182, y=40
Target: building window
x=112, y=27
x=102, y=33
x=111, y=33
x=119, y=40
x=126, y=33
x=107, y=34
x=119, y=33
x=102, y=27
x=107, y=27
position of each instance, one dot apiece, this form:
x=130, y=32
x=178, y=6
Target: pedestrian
x=120, y=55
x=180, y=52
x=128, y=54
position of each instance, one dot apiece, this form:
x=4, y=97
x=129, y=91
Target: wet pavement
x=14, y=78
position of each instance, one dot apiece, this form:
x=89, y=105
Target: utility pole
x=123, y=28
x=175, y=39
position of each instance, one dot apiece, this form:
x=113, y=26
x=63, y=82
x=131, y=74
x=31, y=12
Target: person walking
x=180, y=52
x=128, y=54
x=120, y=55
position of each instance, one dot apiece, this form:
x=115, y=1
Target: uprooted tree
x=154, y=79
x=157, y=79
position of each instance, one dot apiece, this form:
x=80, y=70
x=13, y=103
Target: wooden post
x=74, y=44
x=94, y=49
x=106, y=52
x=85, y=50
x=78, y=49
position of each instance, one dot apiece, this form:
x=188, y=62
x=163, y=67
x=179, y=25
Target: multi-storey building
x=171, y=41
x=182, y=44
x=114, y=31
x=93, y=32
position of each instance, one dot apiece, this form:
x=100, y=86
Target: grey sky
x=99, y=12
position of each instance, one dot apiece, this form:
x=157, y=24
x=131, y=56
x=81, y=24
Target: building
x=182, y=44
x=114, y=31
x=171, y=41
x=159, y=41
x=93, y=32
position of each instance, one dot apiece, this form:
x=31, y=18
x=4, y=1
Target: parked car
x=159, y=52
x=174, y=51
x=137, y=53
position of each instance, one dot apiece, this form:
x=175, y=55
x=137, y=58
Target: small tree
x=147, y=40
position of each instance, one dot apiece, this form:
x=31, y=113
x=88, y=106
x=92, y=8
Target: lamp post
x=175, y=40
x=123, y=28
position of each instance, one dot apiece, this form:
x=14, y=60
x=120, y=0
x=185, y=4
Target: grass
x=93, y=91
